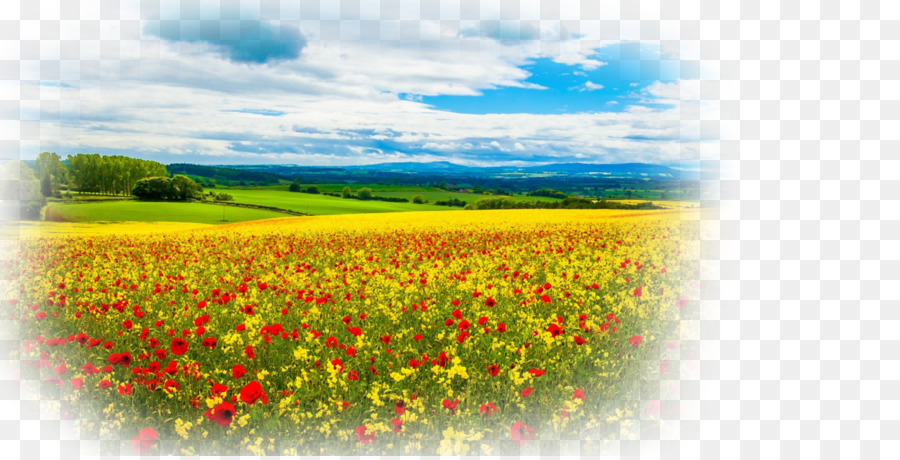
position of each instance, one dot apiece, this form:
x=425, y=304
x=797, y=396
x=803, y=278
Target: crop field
x=321, y=205
x=143, y=211
x=463, y=333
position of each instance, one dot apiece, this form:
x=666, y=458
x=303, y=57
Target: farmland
x=138, y=211
x=407, y=333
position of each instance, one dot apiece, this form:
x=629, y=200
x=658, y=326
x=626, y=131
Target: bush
x=178, y=188
x=346, y=192
x=419, y=199
x=223, y=197
x=294, y=187
x=365, y=193
x=313, y=189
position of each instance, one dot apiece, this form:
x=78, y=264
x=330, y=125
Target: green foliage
x=313, y=189
x=419, y=199
x=294, y=187
x=455, y=202
x=19, y=183
x=346, y=192
x=548, y=192
x=112, y=174
x=46, y=186
x=365, y=193
x=178, y=188
x=223, y=197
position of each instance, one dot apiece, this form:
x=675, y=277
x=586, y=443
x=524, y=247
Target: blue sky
x=261, y=82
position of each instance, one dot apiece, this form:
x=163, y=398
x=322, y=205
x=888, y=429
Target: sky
x=489, y=82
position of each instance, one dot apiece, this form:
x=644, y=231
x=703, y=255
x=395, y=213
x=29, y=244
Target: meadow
x=143, y=211
x=462, y=333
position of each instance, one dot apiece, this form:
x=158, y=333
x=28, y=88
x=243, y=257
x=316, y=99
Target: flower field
x=422, y=333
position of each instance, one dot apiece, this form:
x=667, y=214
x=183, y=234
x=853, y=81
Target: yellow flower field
x=460, y=333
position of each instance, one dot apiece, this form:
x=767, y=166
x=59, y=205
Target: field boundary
x=254, y=206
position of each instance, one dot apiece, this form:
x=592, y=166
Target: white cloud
x=591, y=86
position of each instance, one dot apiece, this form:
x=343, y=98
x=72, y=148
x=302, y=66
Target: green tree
x=419, y=199
x=365, y=193
x=346, y=192
x=183, y=188
x=313, y=189
x=46, y=186
x=294, y=187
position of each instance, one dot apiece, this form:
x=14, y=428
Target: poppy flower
x=413, y=363
x=144, y=441
x=209, y=342
x=493, y=370
x=218, y=388
x=77, y=383
x=462, y=336
x=417, y=337
x=238, y=371
x=579, y=340
x=579, y=394
x=252, y=392
x=545, y=298
x=362, y=437
x=536, y=372
x=526, y=392
x=490, y=302
x=400, y=407
x=501, y=327
x=249, y=352
x=488, y=409
x=451, y=406
x=171, y=386
x=222, y=414
x=331, y=342
x=179, y=346
x=653, y=408
x=637, y=292
x=104, y=384
x=521, y=434
x=125, y=389
x=456, y=314
x=555, y=330
x=398, y=425
x=352, y=375
x=636, y=340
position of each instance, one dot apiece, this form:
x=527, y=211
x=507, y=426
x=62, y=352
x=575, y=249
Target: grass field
x=128, y=211
x=322, y=204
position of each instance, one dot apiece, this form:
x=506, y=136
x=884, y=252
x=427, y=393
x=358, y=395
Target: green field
x=115, y=209
x=323, y=204
x=126, y=211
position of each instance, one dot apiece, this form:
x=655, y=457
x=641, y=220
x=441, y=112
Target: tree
x=152, y=188
x=46, y=186
x=419, y=199
x=346, y=192
x=313, y=189
x=183, y=188
x=365, y=193
x=294, y=187
x=20, y=183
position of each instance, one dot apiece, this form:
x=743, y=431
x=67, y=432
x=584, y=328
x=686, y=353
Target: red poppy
x=653, y=408
x=218, y=388
x=462, y=336
x=144, y=441
x=125, y=389
x=120, y=358
x=521, y=433
x=352, y=375
x=209, y=342
x=179, y=346
x=545, y=298
x=351, y=350
x=579, y=340
x=338, y=364
x=362, y=437
x=636, y=340
x=221, y=414
x=456, y=314
x=331, y=342
x=493, y=370
x=555, y=330
x=354, y=330
x=579, y=394
x=104, y=384
x=171, y=386
x=238, y=371
x=398, y=425
x=488, y=409
x=252, y=392
x=490, y=302
x=451, y=406
x=536, y=372
x=77, y=383
x=413, y=363
x=249, y=352
x=400, y=407
x=417, y=337
x=637, y=292
x=526, y=392
x=501, y=327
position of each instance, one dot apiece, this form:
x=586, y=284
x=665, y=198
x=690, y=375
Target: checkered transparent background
x=799, y=355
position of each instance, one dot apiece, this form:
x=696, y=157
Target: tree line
x=94, y=173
